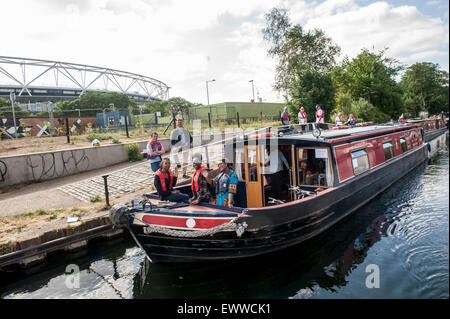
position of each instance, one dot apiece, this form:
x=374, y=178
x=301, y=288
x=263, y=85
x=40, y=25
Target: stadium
x=36, y=81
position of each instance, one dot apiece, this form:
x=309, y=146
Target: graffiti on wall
x=53, y=165
x=3, y=171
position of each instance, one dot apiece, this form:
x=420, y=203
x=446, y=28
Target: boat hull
x=273, y=228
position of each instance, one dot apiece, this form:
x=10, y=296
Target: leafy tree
x=425, y=88
x=363, y=110
x=313, y=88
x=371, y=76
x=6, y=110
x=98, y=100
x=298, y=52
x=179, y=106
x=157, y=106
x=343, y=104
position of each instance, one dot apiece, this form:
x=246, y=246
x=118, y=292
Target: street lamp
x=253, y=90
x=12, y=97
x=207, y=93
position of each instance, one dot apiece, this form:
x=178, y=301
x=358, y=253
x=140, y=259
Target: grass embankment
x=14, y=228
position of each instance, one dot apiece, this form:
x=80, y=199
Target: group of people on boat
x=320, y=117
x=225, y=183
x=339, y=120
x=302, y=117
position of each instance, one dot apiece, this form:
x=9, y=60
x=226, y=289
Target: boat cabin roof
x=328, y=137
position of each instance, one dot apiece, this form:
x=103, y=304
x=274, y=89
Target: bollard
x=105, y=181
x=67, y=130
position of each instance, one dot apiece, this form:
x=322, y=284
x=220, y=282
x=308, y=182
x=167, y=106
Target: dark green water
x=404, y=232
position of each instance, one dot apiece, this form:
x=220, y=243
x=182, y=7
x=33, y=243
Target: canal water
x=394, y=247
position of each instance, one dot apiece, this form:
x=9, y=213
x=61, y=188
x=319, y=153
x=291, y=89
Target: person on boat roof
x=199, y=187
x=320, y=114
x=226, y=183
x=351, y=120
x=285, y=117
x=165, y=181
x=339, y=119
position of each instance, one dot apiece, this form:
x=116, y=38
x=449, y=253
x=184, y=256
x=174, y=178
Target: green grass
x=95, y=198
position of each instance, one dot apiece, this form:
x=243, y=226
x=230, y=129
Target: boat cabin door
x=253, y=177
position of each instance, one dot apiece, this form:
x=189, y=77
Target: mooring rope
x=231, y=225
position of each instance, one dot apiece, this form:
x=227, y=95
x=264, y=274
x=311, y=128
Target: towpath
x=125, y=181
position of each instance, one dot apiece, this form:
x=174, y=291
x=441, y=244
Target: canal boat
x=329, y=175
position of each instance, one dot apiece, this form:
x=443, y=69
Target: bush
x=134, y=153
x=115, y=141
x=100, y=137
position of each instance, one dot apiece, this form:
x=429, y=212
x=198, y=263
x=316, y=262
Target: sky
x=186, y=43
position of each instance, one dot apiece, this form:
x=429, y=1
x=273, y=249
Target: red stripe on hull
x=181, y=222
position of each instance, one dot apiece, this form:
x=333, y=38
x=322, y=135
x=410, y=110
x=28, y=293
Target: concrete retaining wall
x=19, y=169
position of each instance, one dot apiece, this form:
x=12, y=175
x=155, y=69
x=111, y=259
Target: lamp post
x=253, y=90
x=207, y=92
x=12, y=96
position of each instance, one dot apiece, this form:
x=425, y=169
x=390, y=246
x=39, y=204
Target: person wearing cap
x=338, y=119
x=285, y=117
x=154, y=151
x=181, y=140
x=226, y=183
x=200, y=181
x=320, y=114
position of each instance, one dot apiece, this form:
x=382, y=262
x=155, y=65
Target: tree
x=363, y=110
x=157, y=106
x=298, y=52
x=313, y=88
x=179, y=106
x=91, y=103
x=371, y=76
x=6, y=110
x=425, y=88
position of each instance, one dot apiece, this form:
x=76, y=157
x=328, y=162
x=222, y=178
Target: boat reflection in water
x=323, y=262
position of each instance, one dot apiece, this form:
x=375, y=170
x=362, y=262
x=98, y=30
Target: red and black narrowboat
x=327, y=178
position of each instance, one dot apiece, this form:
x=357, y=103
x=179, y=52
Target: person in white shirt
x=181, y=140
x=302, y=118
x=339, y=119
x=320, y=114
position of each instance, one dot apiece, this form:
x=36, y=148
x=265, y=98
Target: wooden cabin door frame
x=253, y=182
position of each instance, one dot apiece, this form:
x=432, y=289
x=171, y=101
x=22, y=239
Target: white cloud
x=185, y=43
x=403, y=29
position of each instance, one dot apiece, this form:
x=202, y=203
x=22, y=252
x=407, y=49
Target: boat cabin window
x=252, y=165
x=388, y=149
x=314, y=167
x=360, y=161
x=403, y=144
x=276, y=168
